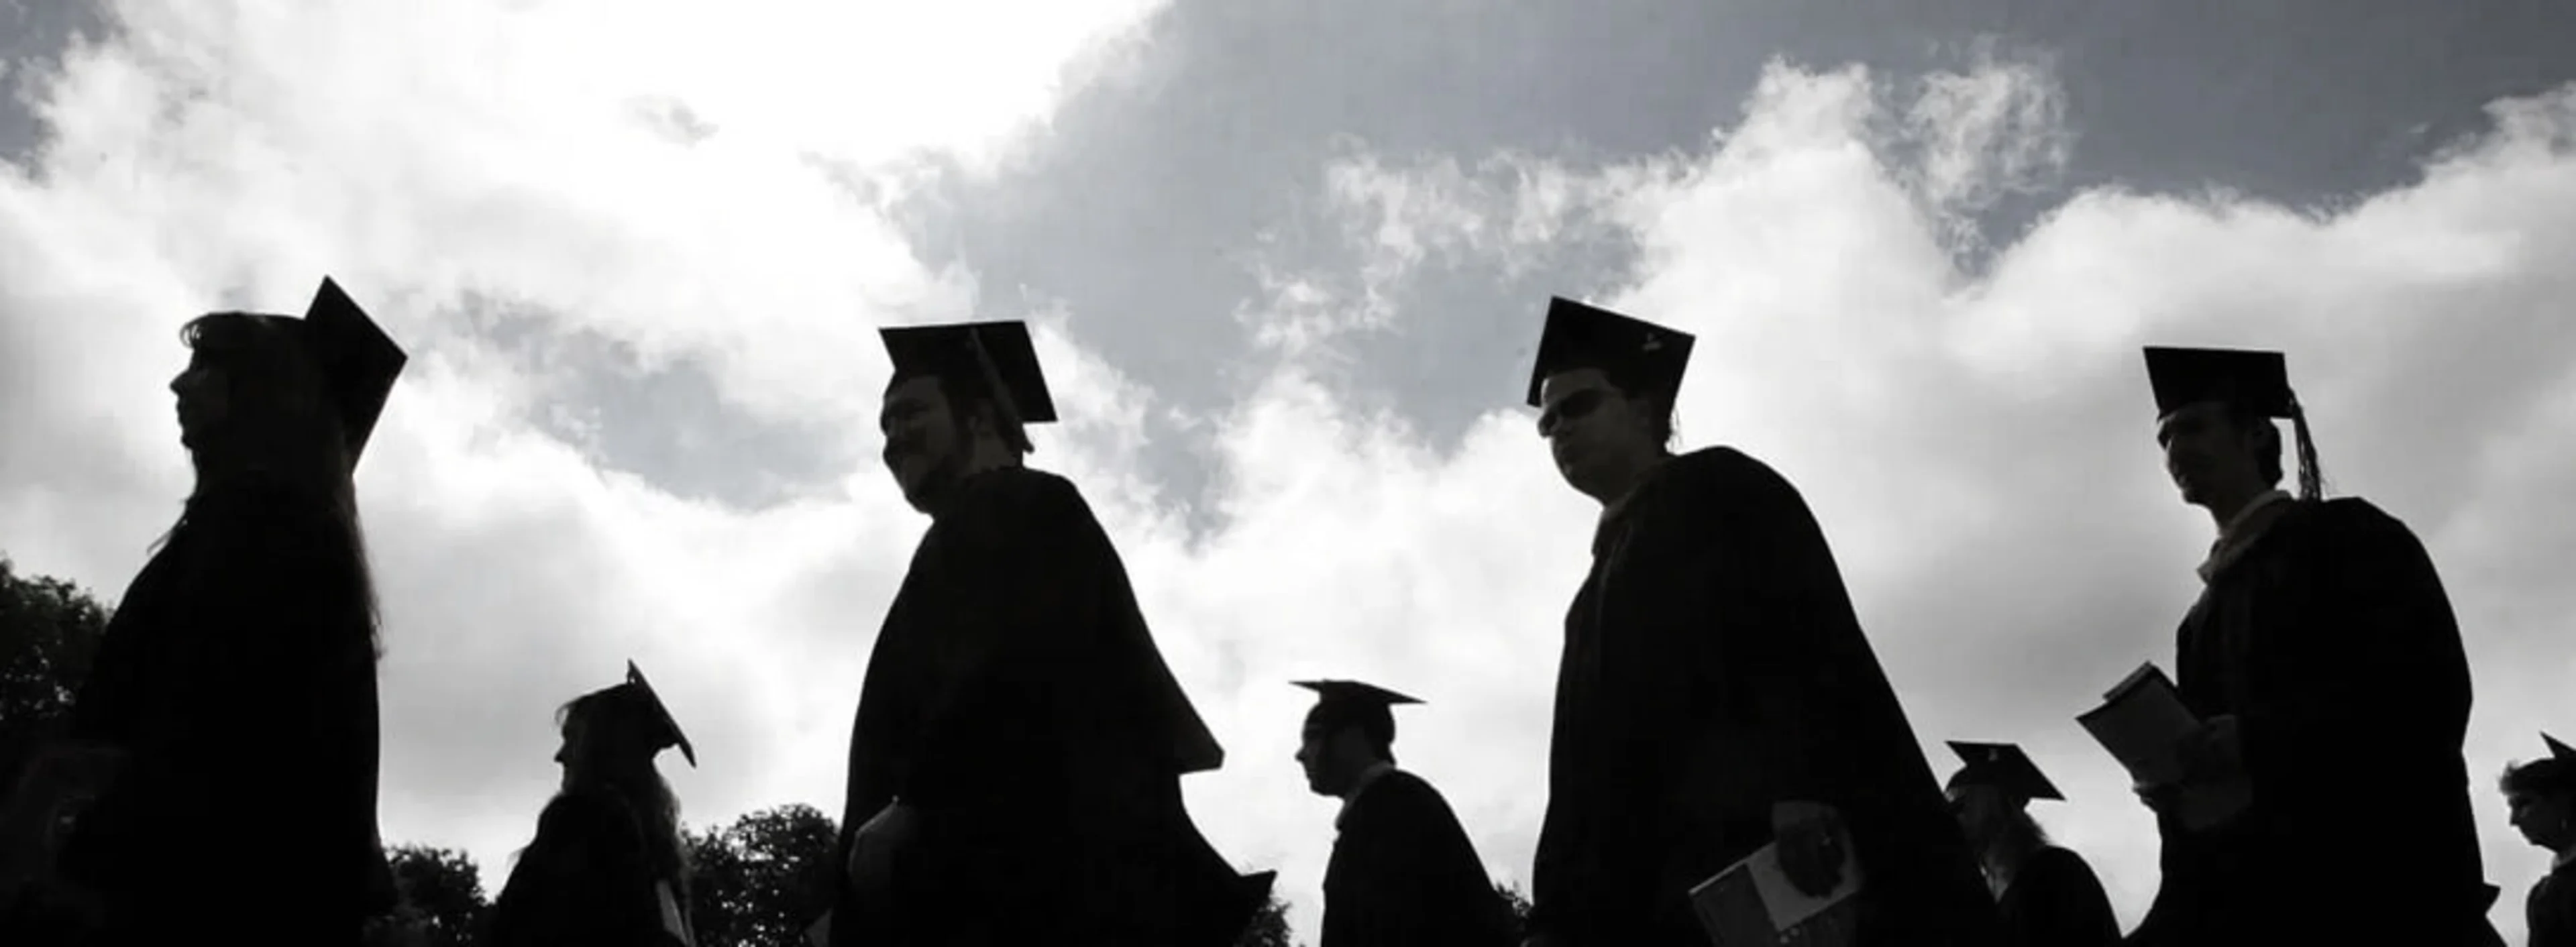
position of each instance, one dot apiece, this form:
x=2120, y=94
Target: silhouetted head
x=291, y=402
x=1991, y=794
x=1605, y=385
x=958, y=404
x=615, y=732
x=2214, y=421
x=251, y=399
x=1349, y=729
x=2541, y=795
x=288, y=398
x=610, y=737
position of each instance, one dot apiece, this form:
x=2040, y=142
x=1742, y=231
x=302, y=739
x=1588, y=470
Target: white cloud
x=1974, y=443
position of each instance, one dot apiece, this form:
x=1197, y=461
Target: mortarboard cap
x=2247, y=379
x=1632, y=351
x=2557, y=750
x=668, y=729
x=358, y=361
x=2257, y=381
x=996, y=356
x=2003, y=766
x=1351, y=703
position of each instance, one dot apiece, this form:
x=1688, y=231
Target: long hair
x=617, y=756
x=2022, y=831
x=282, y=427
x=2013, y=834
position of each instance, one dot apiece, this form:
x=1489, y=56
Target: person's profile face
x=2207, y=453
x=1326, y=758
x=1980, y=810
x=923, y=444
x=576, y=744
x=204, y=399
x=2543, y=821
x=1587, y=421
x=1310, y=758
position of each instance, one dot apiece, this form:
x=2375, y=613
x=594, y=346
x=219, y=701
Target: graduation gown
x=2550, y=909
x=1403, y=874
x=1712, y=667
x=2328, y=635
x=1017, y=703
x=2056, y=901
x=238, y=675
x=585, y=881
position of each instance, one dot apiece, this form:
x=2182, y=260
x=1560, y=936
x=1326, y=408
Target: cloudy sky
x=1287, y=259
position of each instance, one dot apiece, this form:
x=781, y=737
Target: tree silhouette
x=444, y=891
x=49, y=632
x=763, y=879
x=1269, y=928
x=1520, y=904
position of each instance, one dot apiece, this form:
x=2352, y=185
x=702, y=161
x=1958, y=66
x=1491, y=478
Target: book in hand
x=1753, y=904
x=2143, y=722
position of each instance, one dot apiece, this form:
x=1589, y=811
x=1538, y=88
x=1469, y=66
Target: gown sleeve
x=1410, y=876
x=1062, y=693
x=1747, y=609
x=2379, y=666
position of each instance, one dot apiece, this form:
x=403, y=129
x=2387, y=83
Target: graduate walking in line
x=1403, y=873
x=1016, y=760
x=1716, y=692
x=2541, y=796
x=2324, y=661
x=2045, y=894
x=231, y=711
x=608, y=866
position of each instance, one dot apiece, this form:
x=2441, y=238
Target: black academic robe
x=1403, y=874
x=1017, y=703
x=2328, y=635
x=2550, y=909
x=1713, y=666
x=2056, y=901
x=238, y=674
x=585, y=881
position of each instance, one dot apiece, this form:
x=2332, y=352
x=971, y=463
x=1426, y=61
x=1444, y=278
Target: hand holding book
x=1811, y=854
x=1759, y=902
x=2184, y=766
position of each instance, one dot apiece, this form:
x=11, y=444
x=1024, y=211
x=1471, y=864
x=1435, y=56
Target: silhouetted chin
x=2190, y=494
x=924, y=497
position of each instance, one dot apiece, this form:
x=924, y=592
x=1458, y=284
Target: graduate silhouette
x=2045, y=894
x=1716, y=692
x=2540, y=797
x=608, y=864
x=1016, y=758
x=2322, y=655
x=1403, y=872
x=232, y=705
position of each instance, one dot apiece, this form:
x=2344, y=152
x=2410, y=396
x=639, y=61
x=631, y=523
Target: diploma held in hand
x=1754, y=904
x=2144, y=723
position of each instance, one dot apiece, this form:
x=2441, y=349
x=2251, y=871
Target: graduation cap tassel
x=2312, y=481
x=1014, y=433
